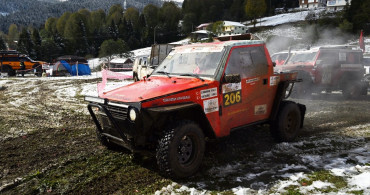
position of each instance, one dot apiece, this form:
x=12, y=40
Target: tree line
x=84, y=32
x=99, y=33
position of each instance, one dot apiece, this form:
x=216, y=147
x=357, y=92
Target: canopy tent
x=74, y=65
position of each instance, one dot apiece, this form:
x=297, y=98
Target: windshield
x=202, y=62
x=302, y=57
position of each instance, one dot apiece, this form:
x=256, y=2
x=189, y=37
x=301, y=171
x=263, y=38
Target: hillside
x=36, y=12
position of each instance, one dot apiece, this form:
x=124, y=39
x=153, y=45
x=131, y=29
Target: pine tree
x=13, y=35
x=110, y=47
x=36, y=39
x=2, y=44
x=25, y=43
x=255, y=9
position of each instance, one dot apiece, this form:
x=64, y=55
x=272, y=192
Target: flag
x=362, y=42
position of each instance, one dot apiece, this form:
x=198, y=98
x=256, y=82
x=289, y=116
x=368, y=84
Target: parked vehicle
x=280, y=57
x=327, y=68
x=198, y=91
x=140, y=67
x=145, y=65
x=10, y=63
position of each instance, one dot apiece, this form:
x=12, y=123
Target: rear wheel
x=288, y=122
x=8, y=69
x=352, y=90
x=180, y=150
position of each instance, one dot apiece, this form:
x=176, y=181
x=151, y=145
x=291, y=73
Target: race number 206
x=232, y=98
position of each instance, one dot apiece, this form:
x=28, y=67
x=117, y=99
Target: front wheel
x=285, y=127
x=303, y=89
x=180, y=150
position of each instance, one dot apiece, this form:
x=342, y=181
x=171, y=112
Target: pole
x=1, y=63
x=77, y=67
x=154, y=34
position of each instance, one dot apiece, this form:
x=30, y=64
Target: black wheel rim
x=185, y=150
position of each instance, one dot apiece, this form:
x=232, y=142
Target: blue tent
x=83, y=69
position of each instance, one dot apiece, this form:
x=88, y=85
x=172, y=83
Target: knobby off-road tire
x=8, y=69
x=288, y=122
x=180, y=150
x=302, y=89
x=352, y=90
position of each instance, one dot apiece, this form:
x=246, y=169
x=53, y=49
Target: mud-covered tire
x=180, y=150
x=352, y=90
x=304, y=88
x=287, y=123
x=8, y=69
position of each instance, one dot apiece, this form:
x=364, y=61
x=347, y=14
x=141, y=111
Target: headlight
x=94, y=99
x=132, y=114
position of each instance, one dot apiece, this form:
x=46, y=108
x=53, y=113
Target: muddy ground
x=48, y=145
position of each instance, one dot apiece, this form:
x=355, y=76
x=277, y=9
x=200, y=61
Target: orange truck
x=10, y=63
x=199, y=91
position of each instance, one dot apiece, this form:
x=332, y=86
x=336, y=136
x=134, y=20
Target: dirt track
x=48, y=144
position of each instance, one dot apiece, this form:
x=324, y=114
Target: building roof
x=230, y=23
x=121, y=60
x=203, y=25
x=202, y=32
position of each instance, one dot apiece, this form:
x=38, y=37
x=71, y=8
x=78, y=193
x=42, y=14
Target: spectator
x=22, y=68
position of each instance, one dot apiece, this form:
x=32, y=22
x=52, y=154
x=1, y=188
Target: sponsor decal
x=176, y=99
x=210, y=105
x=229, y=87
x=252, y=81
x=237, y=111
x=260, y=109
x=274, y=80
x=119, y=96
x=208, y=93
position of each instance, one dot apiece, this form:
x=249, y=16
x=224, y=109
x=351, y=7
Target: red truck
x=327, y=68
x=198, y=91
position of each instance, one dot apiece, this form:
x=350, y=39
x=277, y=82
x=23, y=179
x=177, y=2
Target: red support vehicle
x=198, y=91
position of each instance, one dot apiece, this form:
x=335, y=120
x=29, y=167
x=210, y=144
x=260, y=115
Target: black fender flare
x=185, y=111
x=279, y=98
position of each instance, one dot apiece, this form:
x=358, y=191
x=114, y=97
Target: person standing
x=22, y=68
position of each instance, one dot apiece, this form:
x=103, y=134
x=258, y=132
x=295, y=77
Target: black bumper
x=114, y=125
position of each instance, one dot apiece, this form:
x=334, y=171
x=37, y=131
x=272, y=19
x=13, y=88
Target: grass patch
x=107, y=171
x=325, y=176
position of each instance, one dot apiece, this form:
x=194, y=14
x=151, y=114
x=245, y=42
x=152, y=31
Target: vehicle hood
x=152, y=88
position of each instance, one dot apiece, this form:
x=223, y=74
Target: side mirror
x=273, y=64
x=232, y=78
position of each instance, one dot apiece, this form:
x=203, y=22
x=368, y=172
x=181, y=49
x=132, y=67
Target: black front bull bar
x=123, y=140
